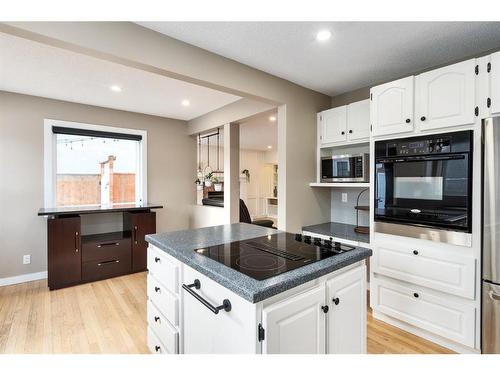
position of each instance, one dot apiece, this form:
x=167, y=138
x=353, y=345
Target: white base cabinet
x=296, y=325
x=428, y=287
x=346, y=324
x=326, y=315
x=425, y=309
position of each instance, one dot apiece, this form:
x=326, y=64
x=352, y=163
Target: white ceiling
x=32, y=68
x=359, y=54
x=259, y=132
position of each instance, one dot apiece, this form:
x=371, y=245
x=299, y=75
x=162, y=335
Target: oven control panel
x=419, y=147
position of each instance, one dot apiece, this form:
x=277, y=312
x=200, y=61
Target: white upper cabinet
x=494, y=68
x=446, y=96
x=333, y=125
x=296, y=325
x=358, y=121
x=391, y=108
x=346, y=124
x=346, y=295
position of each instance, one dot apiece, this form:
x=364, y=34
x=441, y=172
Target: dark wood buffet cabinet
x=74, y=258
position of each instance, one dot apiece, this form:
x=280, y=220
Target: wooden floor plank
x=109, y=316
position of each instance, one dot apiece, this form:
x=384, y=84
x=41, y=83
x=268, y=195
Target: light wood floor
x=110, y=317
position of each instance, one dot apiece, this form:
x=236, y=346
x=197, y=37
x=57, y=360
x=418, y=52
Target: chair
x=245, y=217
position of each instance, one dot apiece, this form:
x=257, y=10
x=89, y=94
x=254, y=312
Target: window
x=93, y=165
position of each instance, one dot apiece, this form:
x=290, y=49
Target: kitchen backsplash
x=344, y=212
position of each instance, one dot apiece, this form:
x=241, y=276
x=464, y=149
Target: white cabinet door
x=436, y=313
x=333, y=125
x=446, y=96
x=296, y=325
x=227, y=332
x=346, y=295
x=495, y=83
x=358, y=121
x=391, y=107
x=431, y=265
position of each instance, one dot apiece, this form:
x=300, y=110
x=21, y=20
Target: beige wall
x=171, y=166
x=132, y=45
x=351, y=97
x=232, y=112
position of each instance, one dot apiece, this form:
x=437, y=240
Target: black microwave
x=345, y=168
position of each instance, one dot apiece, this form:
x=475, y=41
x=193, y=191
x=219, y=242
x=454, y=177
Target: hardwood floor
x=110, y=317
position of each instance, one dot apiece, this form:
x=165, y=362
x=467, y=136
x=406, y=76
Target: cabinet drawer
x=157, y=347
x=425, y=309
x=227, y=332
x=167, y=334
x=164, y=268
x=430, y=266
x=164, y=300
x=104, y=269
x=106, y=249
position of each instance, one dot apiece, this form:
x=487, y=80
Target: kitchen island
x=199, y=302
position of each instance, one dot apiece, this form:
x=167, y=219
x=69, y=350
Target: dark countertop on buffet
x=339, y=230
x=81, y=210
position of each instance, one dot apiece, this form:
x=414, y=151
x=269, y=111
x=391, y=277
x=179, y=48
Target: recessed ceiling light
x=115, y=88
x=185, y=103
x=269, y=147
x=272, y=118
x=323, y=35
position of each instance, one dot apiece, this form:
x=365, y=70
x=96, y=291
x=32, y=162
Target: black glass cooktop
x=268, y=256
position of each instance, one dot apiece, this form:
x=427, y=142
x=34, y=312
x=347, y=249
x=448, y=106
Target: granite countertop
x=340, y=230
x=181, y=245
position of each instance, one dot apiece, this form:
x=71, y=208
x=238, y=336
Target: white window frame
x=50, y=157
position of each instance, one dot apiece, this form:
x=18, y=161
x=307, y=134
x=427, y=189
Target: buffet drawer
x=105, y=250
x=432, y=266
x=444, y=316
x=103, y=269
x=168, y=335
x=165, y=301
x=164, y=268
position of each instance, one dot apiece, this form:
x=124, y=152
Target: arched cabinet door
x=494, y=70
x=446, y=96
x=391, y=107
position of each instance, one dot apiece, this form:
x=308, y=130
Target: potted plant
x=199, y=185
x=245, y=173
x=217, y=184
x=208, y=179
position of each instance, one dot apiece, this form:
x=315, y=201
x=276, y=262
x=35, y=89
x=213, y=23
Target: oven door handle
x=420, y=158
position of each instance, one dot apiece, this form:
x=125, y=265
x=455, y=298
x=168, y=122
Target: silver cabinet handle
x=108, y=262
x=108, y=244
x=494, y=296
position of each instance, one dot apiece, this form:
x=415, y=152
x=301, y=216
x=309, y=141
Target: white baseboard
x=23, y=278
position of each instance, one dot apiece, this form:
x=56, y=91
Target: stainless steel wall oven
x=424, y=182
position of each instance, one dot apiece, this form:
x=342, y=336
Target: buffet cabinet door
x=296, y=325
x=140, y=224
x=64, y=252
x=346, y=295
